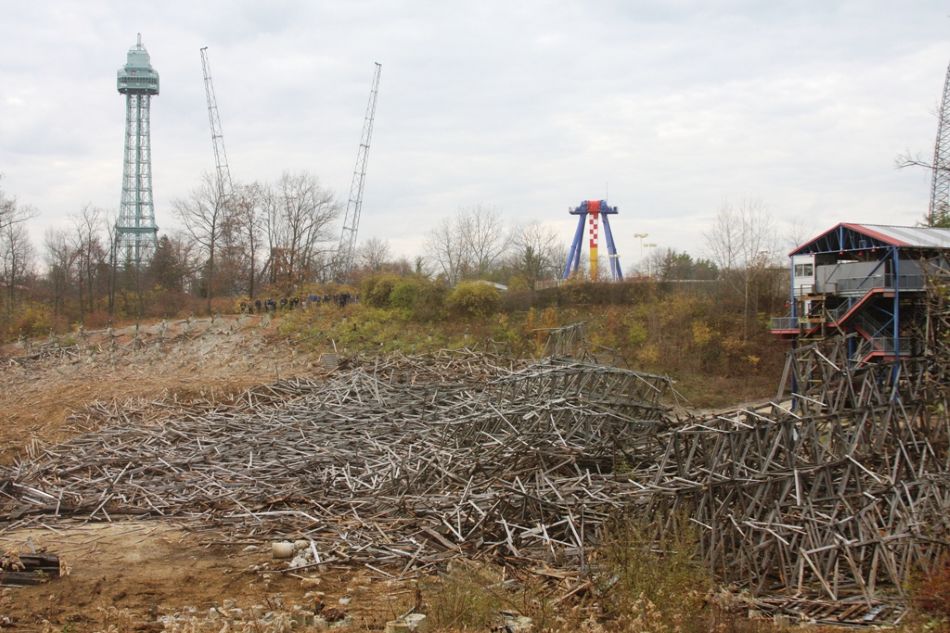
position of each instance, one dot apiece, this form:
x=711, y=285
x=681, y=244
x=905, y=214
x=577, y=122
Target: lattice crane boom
x=940, y=182
x=225, y=186
x=354, y=204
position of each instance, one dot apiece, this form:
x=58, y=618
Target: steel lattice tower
x=354, y=204
x=136, y=233
x=940, y=183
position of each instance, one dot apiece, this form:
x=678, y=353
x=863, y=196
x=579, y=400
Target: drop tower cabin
x=867, y=282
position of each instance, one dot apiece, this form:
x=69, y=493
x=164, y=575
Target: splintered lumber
x=21, y=578
x=28, y=569
x=404, y=463
x=397, y=461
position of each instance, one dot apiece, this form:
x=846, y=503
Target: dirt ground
x=126, y=574
x=129, y=574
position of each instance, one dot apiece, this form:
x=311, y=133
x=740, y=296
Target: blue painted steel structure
x=591, y=210
x=866, y=282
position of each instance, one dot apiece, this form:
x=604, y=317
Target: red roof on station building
x=925, y=237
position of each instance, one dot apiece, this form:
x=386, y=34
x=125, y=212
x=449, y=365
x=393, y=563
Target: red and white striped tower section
x=592, y=213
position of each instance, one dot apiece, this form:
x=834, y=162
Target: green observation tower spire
x=136, y=232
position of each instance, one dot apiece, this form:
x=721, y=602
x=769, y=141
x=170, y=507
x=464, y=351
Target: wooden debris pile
x=395, y=464
x=404, y=463
x=28, y=569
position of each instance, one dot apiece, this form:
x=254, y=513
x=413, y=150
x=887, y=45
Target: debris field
x=399, y=465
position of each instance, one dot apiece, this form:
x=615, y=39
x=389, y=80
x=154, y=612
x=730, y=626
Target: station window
x=804, y=270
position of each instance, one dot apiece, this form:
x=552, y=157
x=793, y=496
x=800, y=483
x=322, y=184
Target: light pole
x=649, y=264
x=641, y=236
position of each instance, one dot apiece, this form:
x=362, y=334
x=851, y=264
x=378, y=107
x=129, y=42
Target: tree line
x=276, y=238
x=274, y=235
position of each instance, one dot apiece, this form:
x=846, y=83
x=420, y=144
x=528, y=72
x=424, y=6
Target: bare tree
x=188, y=255
x=912, y=160
x=797, y=231
x=202, y=214
x=17, y=260
x=447, y=249
x=297, y=214
x=469, y=245
x=16, y=252
x=483, y=233
x=12, y=212
x=739, y=234
x=652, y=263
x=60, y=259
x=247, y=206
x=8, y=209
x=87, y=243
x=111, y=239
x=534, y=249
x=742, y=243
x=939, y=216
x=373, y=254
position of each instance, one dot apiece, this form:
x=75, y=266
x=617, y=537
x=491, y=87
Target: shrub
x=474, y=299
x=405, y=293
x=702, y=333
x=377, y=289
x=636, y=334
x=31, y=320
x=518, y=300
x=649, y=354
x=517, y=283
x=420, y=298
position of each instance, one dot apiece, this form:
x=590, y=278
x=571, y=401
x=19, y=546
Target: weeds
x=652, y=580
x=931, y=594
x=930, y=599
x=468, y=596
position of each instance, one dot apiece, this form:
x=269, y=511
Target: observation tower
x=135, y=231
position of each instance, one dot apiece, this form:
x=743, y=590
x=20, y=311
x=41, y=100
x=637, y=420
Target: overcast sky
x=672, y=106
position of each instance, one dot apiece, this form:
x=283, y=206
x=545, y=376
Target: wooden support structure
x=403, y=463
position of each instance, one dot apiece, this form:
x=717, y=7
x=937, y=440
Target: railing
x=881, y=345
x=887, y=345
x=850, y=285
x=784, y=323
x=835, y=313
x=860, y=285
x=853, y=286
x=911, y=282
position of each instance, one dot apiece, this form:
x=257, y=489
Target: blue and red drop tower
x=591, y=211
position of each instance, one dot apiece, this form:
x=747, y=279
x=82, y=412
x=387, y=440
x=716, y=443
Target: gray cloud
x=530, y=107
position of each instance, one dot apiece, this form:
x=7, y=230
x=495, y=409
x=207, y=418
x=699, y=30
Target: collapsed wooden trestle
x=403, y=463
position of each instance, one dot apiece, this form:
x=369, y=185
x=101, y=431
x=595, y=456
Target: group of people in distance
x=260, y=306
